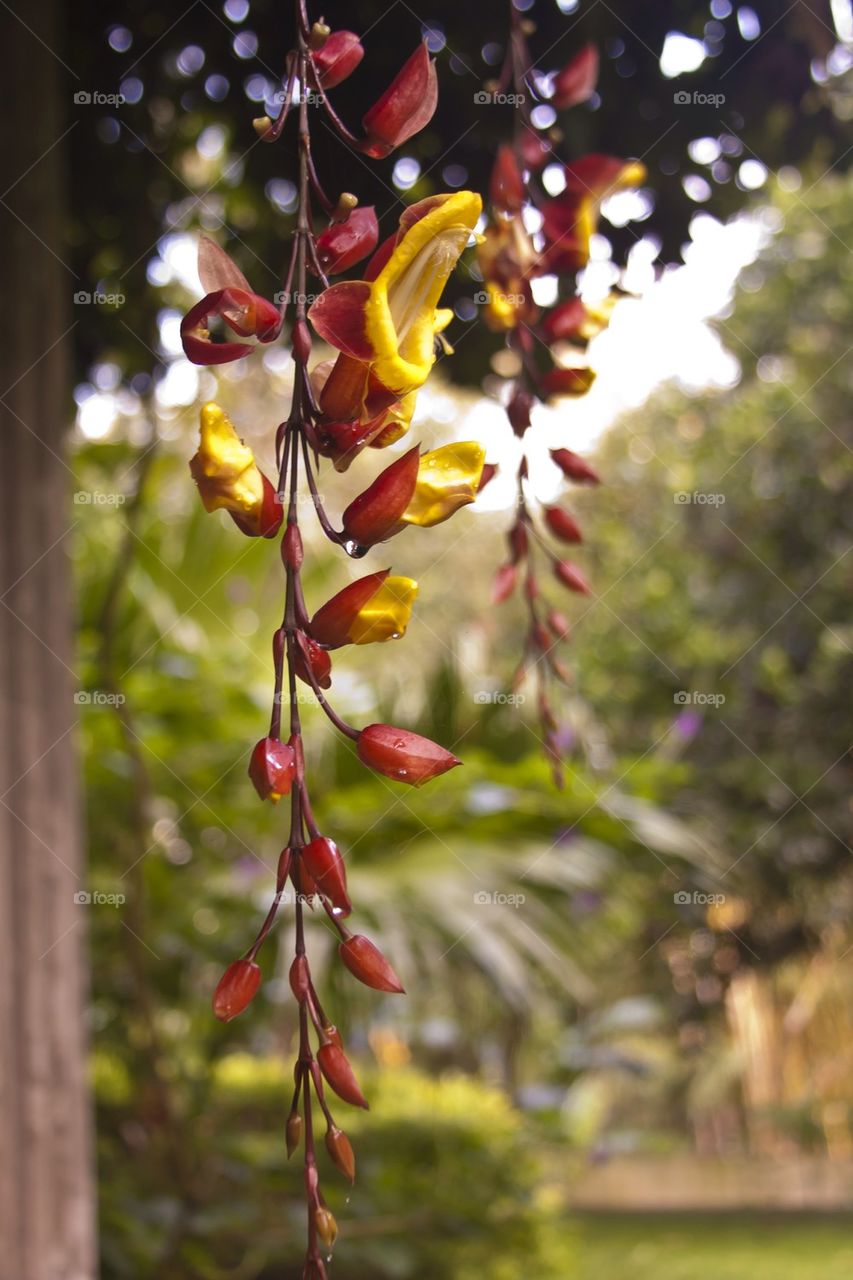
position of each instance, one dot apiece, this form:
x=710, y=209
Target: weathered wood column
x=46, y=1178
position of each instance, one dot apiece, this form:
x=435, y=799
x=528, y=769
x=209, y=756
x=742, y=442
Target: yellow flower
x=386, y=328
x=448, y=478
x=502, y=309
x=224, y=468
x=386, y=614
x=400, y=313
x=396, y=421
x=228, y=477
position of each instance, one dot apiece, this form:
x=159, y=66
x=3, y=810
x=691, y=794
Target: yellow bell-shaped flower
x=400, y=313
x=228, y=477
x=386, y=614
x=448, y=478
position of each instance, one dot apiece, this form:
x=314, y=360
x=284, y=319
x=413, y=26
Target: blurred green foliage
x=598, y=998
x=447, y=1184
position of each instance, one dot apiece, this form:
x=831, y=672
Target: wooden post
x=46, y=1180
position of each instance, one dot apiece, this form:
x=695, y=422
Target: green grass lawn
x=713, y=1247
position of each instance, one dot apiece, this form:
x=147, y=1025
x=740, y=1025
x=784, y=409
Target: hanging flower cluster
x=530, y=235
x=384, y=328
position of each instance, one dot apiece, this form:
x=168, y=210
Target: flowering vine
x=531, y=234
x=383, y=329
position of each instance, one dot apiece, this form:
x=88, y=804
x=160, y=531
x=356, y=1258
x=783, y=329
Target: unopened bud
x=571, y=577
x=366, y=962
x=327, y=1228
x=346, y=202
x=292, y=551
x=262, y=125
x=319, y=35
x=504, y=583
x=335, y=1066
x=322, y=859
x=340, y=1149
x=563, y=525
x=236, y=989
x=300, y=978
x=293, y=1132
x=301, y=341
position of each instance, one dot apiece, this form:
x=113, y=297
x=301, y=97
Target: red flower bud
x=518, y=541
x=573, y=465
x=504, y=584
x=568, y=382
x=324, y=864
x=507, y=185
x=271, y=768
x=236, y=989
x=338, y=58
x=535, y=150
x=559, y=624
x=311, y=660
x=300, y=340
x=367, y=963
x=335, y=1066
x=332, y=621
x=563, y=525
x=343, y=244
x=405, y=107
x=376, y=513
x=402, y=755
x=571, y=577
x=292, y=552
x=565, y=321
x=518, y=410
x=577, y=80
x=300, y=978
x=340, y=1149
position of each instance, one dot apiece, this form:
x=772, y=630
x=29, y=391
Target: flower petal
x=338, y=315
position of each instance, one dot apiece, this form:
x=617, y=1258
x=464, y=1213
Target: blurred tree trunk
x=46, y=1183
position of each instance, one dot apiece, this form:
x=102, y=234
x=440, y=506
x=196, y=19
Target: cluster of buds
x=384, y=330
x=530, y=235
